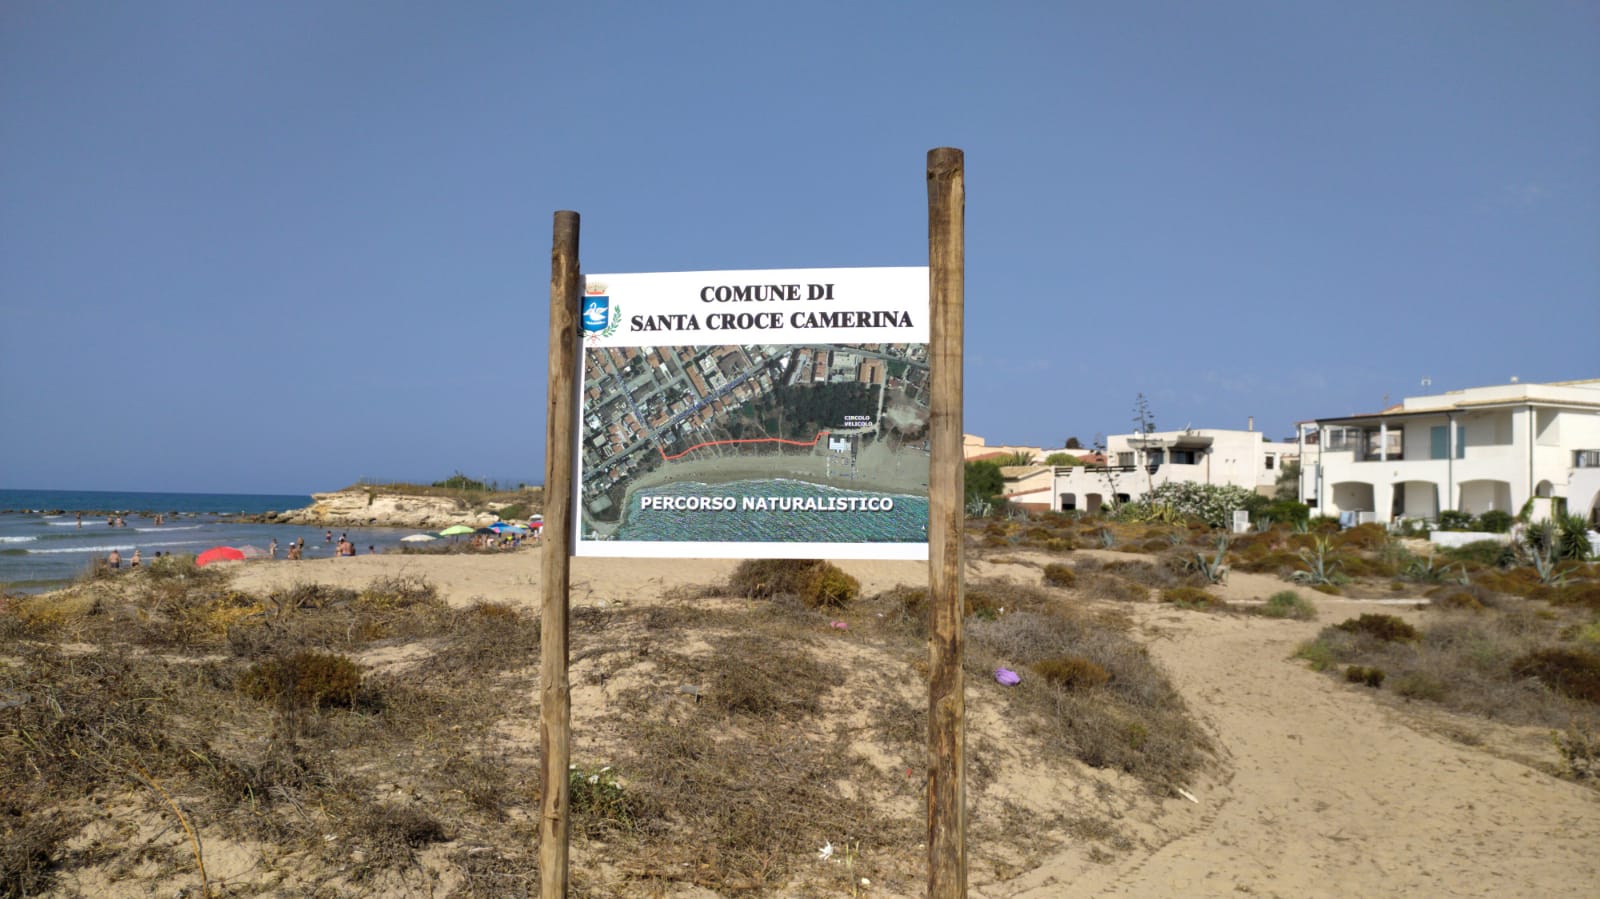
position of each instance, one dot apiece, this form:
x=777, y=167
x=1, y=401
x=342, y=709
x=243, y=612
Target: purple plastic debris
x=1007, y=676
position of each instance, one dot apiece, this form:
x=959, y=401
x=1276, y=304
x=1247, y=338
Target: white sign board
x=741, y=414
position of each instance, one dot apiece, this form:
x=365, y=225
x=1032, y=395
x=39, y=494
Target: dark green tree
x=983, y=480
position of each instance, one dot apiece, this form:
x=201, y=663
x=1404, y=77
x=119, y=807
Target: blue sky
x=279, y=247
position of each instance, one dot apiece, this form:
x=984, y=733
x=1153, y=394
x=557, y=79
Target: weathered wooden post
x=555, y=696
x=947, y=753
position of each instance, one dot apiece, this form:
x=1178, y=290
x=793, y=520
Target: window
x=1341, y=439
x=1439, y=442
x=1376, y=446
x=1269, y=462
x=1125, y=460
x=1184, y=457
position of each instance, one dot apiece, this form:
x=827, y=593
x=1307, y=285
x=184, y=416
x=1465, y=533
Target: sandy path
x=1331, y=793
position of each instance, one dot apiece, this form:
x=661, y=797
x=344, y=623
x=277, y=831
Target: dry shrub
x=1171, y=569
x=1104, y=586
x=1058, y=575
x=1369, y=537
x=1072, y=672
x=1276, y=561
x=39, y=617
x=775, y=678
x=818, y=583
x=1456, y=598
x=1191, y=598
x=1288, y=604
x=985, y=600
x=303, y=680
x=1367, y=566
x=829, y=587
x=1386, y=628
x=397, y=592
x=1570, y=672
x=31, y=841
x=1470, y=662
x=1135, y=722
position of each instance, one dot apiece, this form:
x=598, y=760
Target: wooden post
x=555, y=694
x=947, y=750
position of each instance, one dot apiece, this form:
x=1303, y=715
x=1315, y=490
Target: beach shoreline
x=878, y=470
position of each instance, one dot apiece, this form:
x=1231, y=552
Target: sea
x=43, y=545
x=906, y=522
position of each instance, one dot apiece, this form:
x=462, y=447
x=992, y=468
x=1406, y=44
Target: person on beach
x=114, y=559
x=80, y=520
x=294, y=552
x=371, y=550
x=328, y=537
x=272, y=551
x=135, y=562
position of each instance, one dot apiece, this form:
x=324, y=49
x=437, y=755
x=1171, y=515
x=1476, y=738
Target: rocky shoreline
x=360, y=507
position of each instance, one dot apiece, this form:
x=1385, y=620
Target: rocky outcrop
x=362, y=508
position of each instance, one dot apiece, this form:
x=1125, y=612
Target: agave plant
x=1424, y=568
x=1214, y=570
x=1547, y=565
x=1321, y=567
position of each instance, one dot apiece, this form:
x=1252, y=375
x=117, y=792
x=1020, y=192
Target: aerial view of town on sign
x=755, y=442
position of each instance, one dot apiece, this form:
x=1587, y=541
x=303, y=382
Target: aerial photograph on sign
x=764, y=443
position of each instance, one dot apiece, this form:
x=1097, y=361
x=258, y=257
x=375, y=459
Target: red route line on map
x=811, y=442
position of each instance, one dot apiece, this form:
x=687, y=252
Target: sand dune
x=1324, y=789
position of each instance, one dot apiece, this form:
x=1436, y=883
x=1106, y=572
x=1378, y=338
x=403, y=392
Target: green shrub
x=598, y=801
x=1455, y=520
x=1058, y=575
x=1213, y=504
x=1495, y=521
x=1319, y=654
x=1489, y=553
x=1072, y=672
x=1570, y=672
x=1287, y=511
x=1572, y=538
x=1358, y=674
x=1289, y=604
x=1386, y=628
x=303, y=680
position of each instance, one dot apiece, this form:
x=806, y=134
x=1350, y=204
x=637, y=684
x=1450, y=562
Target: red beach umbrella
x=218, y=554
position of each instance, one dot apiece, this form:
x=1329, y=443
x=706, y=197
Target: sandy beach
x=1321, y=788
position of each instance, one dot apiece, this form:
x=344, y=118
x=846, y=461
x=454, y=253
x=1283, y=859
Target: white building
x=1137, y=463
x=1468, y=450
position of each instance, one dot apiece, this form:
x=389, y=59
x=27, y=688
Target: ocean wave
x=17, y=539
x=99, y=548
x=182, y=527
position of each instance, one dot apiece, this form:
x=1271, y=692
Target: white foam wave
x=186, y=527
x=17, y=539
x=119, y=547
